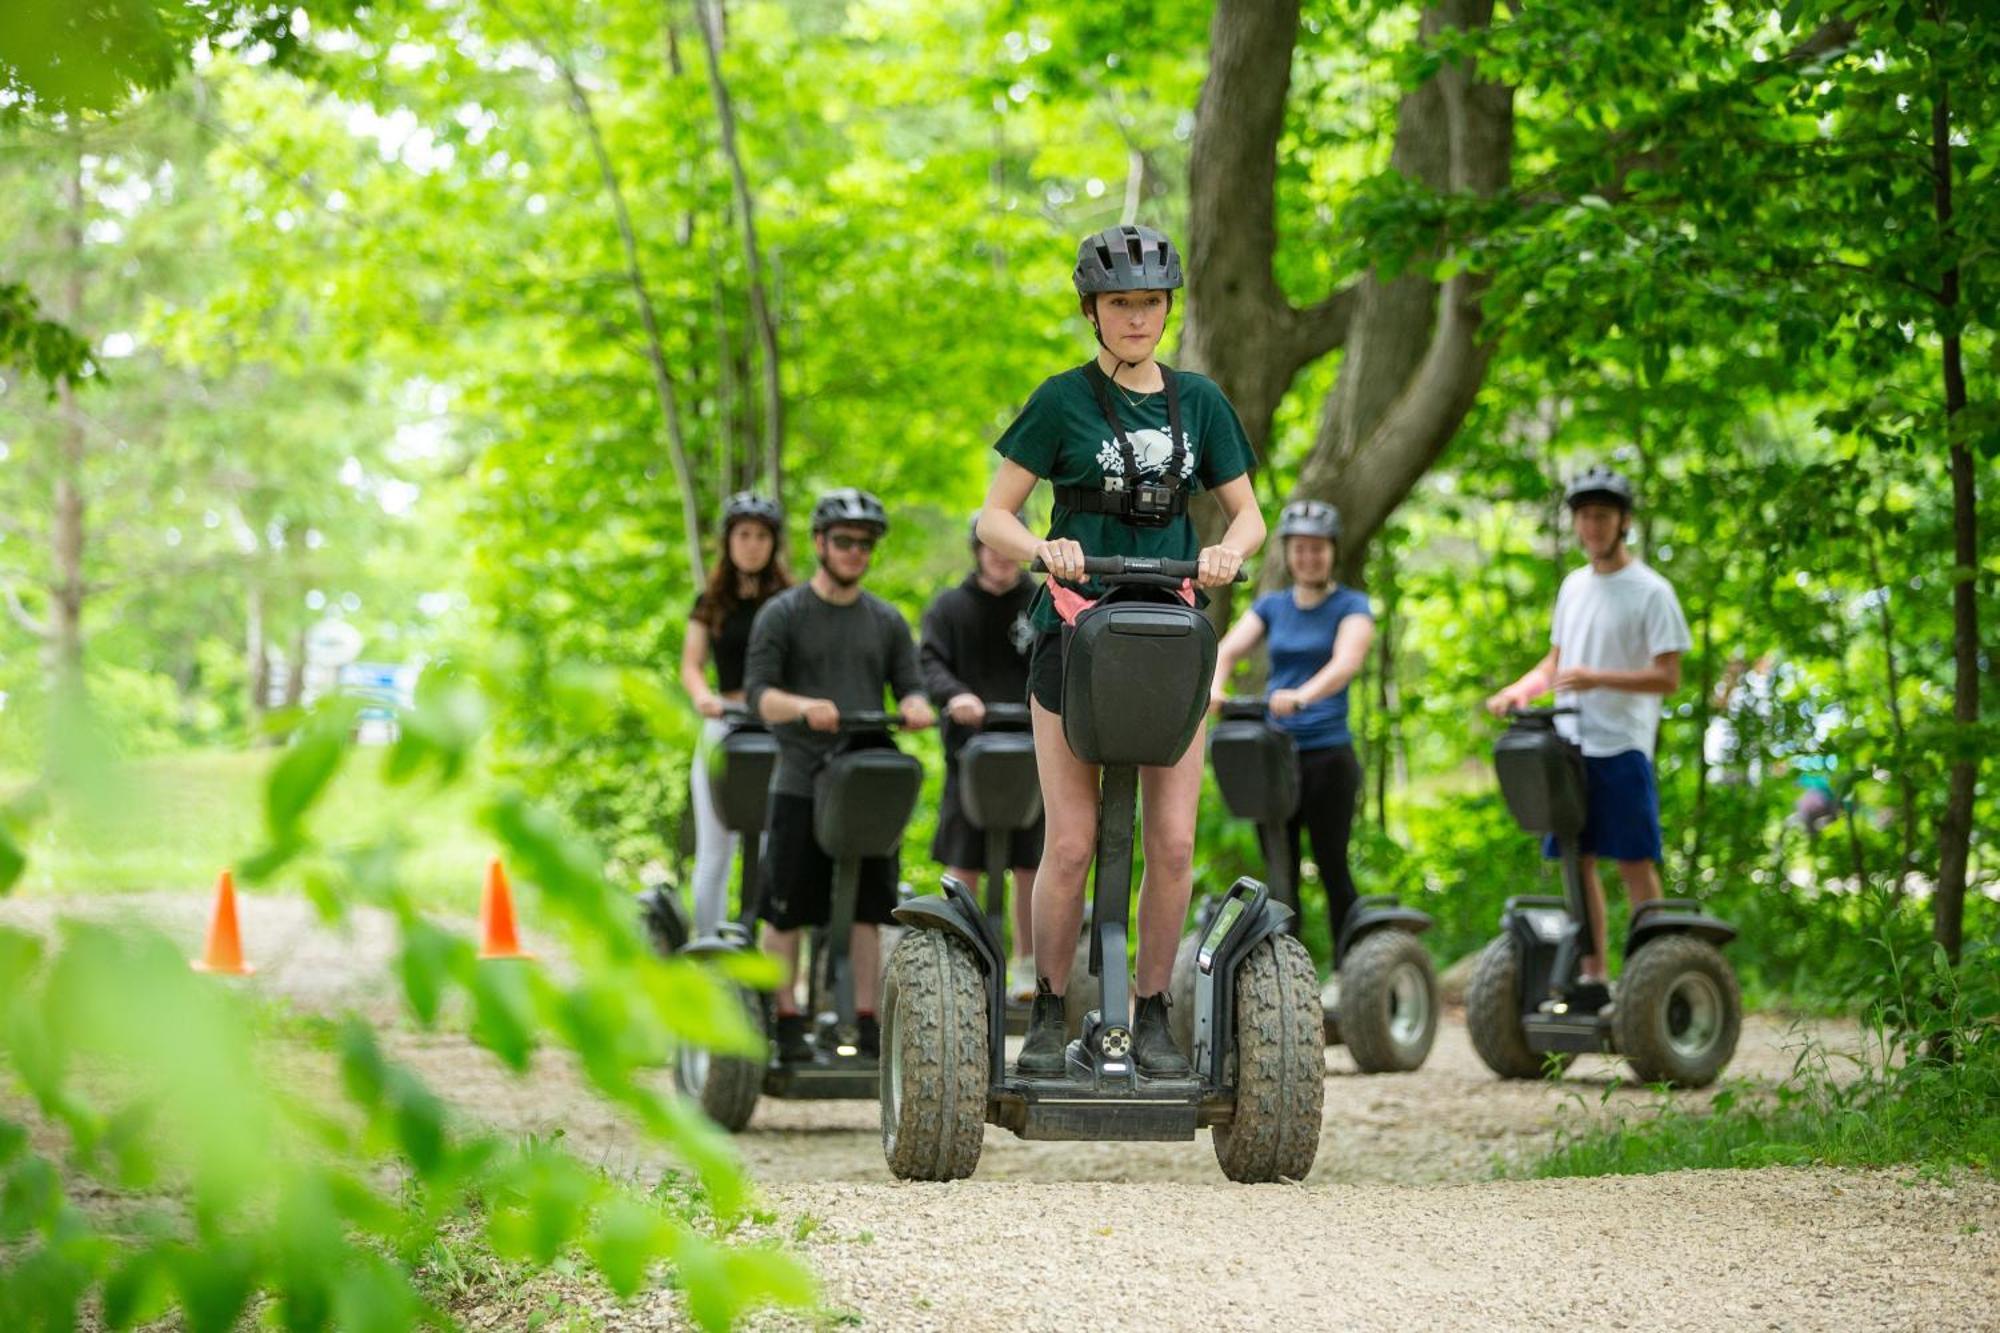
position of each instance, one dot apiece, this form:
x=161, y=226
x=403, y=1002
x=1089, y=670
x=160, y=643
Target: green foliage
x=229, y=1186
x=1925, y=1089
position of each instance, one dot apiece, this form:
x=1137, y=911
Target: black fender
x=1540, y=925
x=1675, y=916
x=1226, y=941
x=956, y=911
x=665, y=920
x=1381, y=911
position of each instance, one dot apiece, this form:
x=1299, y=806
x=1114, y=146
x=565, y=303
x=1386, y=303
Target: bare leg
x=1070, y=796
x=1172, y=795
x=783, y=945
x=1593, y=891
x=1642, y=881
x=1024, y=911
x=864, y=950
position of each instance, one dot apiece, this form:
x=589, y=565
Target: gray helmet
x=850, y=506
x=1599, y=485
x=1310, y=518
x=749, y=504
x=1126, y=259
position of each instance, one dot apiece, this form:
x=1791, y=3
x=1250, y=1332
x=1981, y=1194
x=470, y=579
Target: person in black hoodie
x=976, y=638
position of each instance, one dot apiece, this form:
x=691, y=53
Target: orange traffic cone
x=224, y=951
x=497, y=937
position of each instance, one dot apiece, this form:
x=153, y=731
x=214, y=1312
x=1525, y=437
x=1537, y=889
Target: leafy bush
x=230, y=1187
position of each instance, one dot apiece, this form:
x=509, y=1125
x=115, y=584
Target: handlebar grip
x=1118, y=566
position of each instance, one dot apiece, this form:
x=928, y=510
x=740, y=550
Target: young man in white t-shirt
x=1615, y=652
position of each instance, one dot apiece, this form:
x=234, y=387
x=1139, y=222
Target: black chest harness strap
x=1129, y=496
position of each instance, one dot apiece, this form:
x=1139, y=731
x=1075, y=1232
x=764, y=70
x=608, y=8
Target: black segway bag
x=997, y=782
x=863, y=796
x=739, y=777
x=1257, y=768
x=1136, y=670
x=1541, y=775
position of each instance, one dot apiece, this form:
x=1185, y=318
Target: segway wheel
x=1388, y=1002
x=934, y=1058
x=1493, y=1015
x=1279, y=1067
x=1180, y=991
x=1679, y=1012
x=726, y=1087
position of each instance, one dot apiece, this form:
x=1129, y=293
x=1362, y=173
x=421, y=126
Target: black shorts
x=960, y=846
x=797, y=876
x=1045, y=674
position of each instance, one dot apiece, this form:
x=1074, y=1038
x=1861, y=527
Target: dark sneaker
x=790, y=1034
x=1153, y=1048
x=868, y=1044
x=1048, y=1035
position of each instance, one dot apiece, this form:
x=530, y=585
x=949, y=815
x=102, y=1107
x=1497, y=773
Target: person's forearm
x=1001, y=530
x=1245, y=533
x=1648, y=680
x=1539, y=680
x=694, y=680
x=778, y=707
x=1328, y=681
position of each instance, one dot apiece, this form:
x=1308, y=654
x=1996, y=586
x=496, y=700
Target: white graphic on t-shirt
x=1021, y=634
x=1150, y=448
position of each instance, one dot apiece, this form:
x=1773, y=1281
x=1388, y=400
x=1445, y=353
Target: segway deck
x=842, y=1079
x=1154, y=1110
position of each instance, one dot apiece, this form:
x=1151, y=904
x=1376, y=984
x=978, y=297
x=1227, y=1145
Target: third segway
x=1387, y=1011
x=1678, y=1011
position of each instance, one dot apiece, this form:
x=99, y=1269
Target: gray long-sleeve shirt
x=805, y=645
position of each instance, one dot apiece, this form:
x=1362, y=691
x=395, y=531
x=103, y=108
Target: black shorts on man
x=797, y=887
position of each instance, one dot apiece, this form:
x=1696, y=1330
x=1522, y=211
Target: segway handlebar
x=1542, y=714
x=1138, y=567
x=1006, y=715
x=1253, y=707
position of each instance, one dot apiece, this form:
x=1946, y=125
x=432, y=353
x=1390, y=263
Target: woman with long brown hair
x=749, y=571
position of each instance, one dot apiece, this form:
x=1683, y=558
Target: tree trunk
x=1955, y=830
x=709, y=14
x=257, y=658
x=656, y=354
x=1414, y=357
x=1906, y=787
x=68, y=589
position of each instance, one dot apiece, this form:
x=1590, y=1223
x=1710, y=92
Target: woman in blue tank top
x=1319, y=634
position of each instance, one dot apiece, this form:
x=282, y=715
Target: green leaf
x=137, y=1291
x=629, y=1238
x=298, y=779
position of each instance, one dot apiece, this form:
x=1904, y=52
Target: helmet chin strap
x=1098, y=329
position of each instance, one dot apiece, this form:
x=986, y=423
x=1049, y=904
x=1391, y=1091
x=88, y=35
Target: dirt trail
x=1399, y=1226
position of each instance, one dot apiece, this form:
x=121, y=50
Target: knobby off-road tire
x=934, y=1059
x=726, y=1087
x=1388, y=1002
x=1493, y=1014
x=1679, y=1012
x=1279, y=1067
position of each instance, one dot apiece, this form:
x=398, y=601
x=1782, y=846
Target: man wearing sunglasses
x=815, y=650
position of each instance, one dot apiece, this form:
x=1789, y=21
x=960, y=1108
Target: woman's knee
x=1065, y=860
x=1170, y=847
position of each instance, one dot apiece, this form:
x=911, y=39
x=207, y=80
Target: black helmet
x=848, y=505
x=1126, y=259
x=749, y=504
x=1598, y=484
x=1310, y=518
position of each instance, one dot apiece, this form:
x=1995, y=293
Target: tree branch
x=20, y=613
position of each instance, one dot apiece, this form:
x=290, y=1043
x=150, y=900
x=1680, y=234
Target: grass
x=172, y=822
x=1925, y=1091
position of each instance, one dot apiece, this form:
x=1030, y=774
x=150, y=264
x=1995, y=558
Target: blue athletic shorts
x=1623, y=819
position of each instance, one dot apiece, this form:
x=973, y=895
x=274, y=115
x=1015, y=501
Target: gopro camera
x=1152, y=504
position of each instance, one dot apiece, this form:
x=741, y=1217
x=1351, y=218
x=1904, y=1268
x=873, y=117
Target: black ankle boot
x=1153, y=1048
x=1048, y=1034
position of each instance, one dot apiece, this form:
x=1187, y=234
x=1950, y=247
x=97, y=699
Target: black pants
x=1329, y=786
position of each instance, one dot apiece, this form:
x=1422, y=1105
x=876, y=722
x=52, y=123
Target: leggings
x=1329, y=783
x=714, y=845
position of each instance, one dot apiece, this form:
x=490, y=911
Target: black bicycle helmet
x=749, y=504
x=1598, y=484
x=849, y=506
x=1126, y=259
x=1310, y=518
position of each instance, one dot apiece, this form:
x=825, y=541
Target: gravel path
x=1400, y=1225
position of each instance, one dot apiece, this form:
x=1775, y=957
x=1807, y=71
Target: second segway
x=1387, y=1010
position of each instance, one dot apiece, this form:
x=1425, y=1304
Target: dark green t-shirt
x=1061, y=435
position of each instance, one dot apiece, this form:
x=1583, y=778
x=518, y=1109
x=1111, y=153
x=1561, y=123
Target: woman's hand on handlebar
x=1284, y=703
x=1218, y=565
x=916, y=712
x=1062, y=558
x=1503, y=702
x=967, y=709
x=820, y=714
x=709, y=705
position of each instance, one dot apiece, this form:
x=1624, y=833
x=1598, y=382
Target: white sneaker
x=1021, y=980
